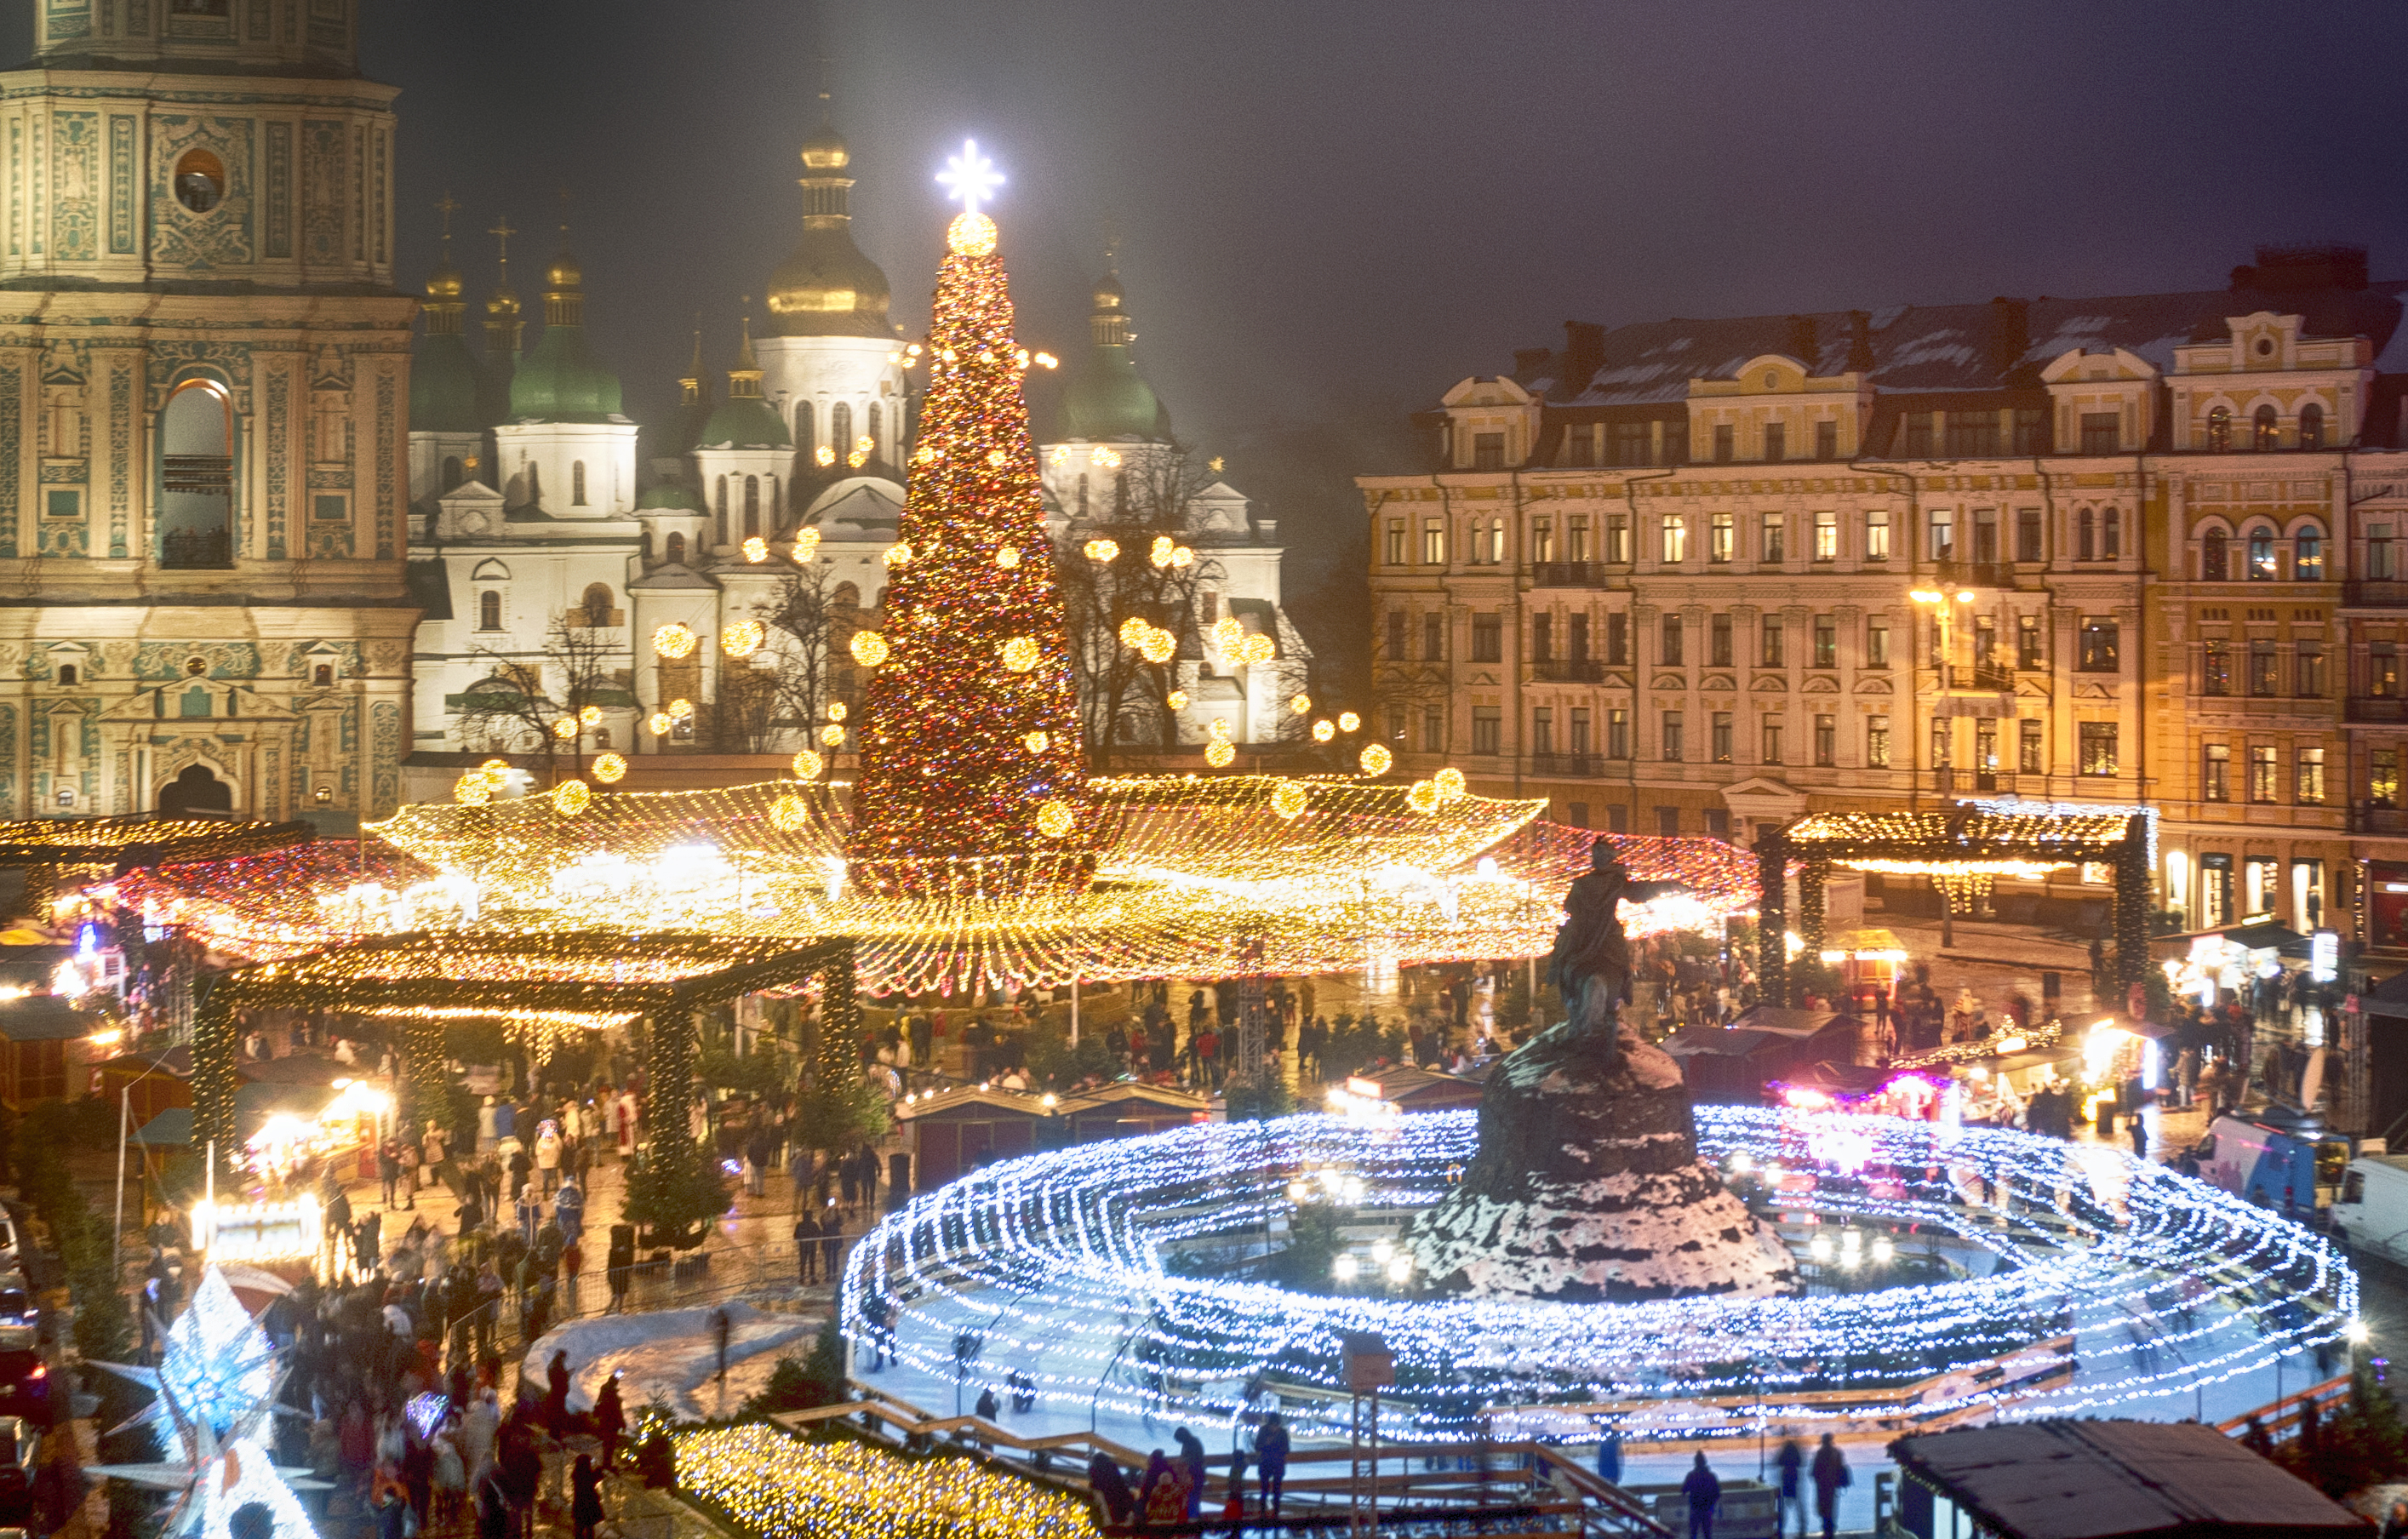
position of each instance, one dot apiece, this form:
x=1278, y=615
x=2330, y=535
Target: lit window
x=1676, y=539
x=2097, y=745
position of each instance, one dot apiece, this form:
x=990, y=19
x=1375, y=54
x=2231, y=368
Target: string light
x=1376, y=759
x=609, y=769
x=781, y=1487
x=1289, y=800
x=2172, y=1285
x=674, y=641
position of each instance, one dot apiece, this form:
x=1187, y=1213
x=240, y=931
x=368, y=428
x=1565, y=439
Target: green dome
x=445, y=384
x=669, y=496
x=1106, y=399
x=744, y=421
x=559, y=379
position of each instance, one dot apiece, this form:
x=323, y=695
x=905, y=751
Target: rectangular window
x=2261, y=774
x=1578, y=445
x=2378, y=551
x=1918, y=436
x=1776, y=539
x=1395, y=550
x=1986, y=640
x=1718, y=822
x=1827, y=440
x=1433, y=729
x=1542, y=731
x=2310, y=676
x=1487, y=638
x=1542, y=539
x=1826, y=741
x=2214, y=773
x=1719, y=743
x=1617, y=539
x=1986, y=747
x=2098, y=747
x=2216, y=669
x=1676, y=539
x=2031, y=430
x=1668, y=822
x=1877, y=643
x=1576, y=537
x=2102, y=647
x=1718, y=643
x=1670, y=653
x=1974, y=435
x=69, y=504
x=1827, y=537
x=1986, y=535
x=2031, y=758
x=330, y=509
x=1726, y=443
x=1776, y=440
x=2383, y=777
x=1576, y=813
x=2027, y=638
x=1877, y=535
x=2028, y=534
x=1396, y=636
x=1719, y=538
x=1433, y=542
x=1826, y=640
x=2383, y=669
x=1433, y=638
x=1943, y=744
x=1671, y=738
x=1943, y=543
x=1770, y=730
x=1543, y=638
x=1582, y=745
x=1488, y=450
x=2264, y=667
x=1877, y=741
x=2309, y=783
x=1770, y=634
x=1631, y=443
x=1676, y=442
x=1487, y=728
x=2103, y=432
x=1617, y=733
x=1397, y=725
x=1617, y=639
x=1579, y=638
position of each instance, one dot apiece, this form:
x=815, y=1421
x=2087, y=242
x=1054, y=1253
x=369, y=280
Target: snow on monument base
x=1588, y=1189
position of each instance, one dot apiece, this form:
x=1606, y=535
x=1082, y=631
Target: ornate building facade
x=204, y=389
x=1701, y=576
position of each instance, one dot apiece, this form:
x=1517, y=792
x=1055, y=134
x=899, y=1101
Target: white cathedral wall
x=542, y=457
x=537, y=585
x=824, y=370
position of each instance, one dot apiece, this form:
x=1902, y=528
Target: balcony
x=2376, y=708
x=2377, y=594
x=1568, y=670
x=2368, y=819
x=1974, y=574
x=1568, y=574
x=1989, y=677
x=1572, y=766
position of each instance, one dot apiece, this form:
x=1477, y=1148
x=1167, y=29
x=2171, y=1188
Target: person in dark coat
x=1831, y=1474
x=610, y=1419
x=1791, y=1462
x=806, y=1249
x=1270, y=1460
x=1704, y=1493
x=555, y=1399
x=585, y=1498
x=1191, y=1453
x=1105, y=1479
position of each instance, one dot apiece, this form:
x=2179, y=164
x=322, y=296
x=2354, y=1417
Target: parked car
x=2371, y=1215
x=2290, y=1166
x=24, y=1376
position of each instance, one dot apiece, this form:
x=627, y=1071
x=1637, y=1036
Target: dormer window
x=1488, y=450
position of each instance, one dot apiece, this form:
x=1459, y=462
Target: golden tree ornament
x=674, y=641
x=1008, y=557
x=743, y=639
x=832, y=735
x=611, y=769
x=1102, y=550
x=472, y=789
x=1450, y=784
x=1323, y=730
x=788, y=813
x=868, y=648
x=1220, y=755
x=571, y=796
x=1301, y=704
x=1422, y=796
x=756, y=550
x=1376, y=759
x=807, y=545
x=1056, y=818
x=1037, y=743
x=1022, y=653
x=808, y=765
x=1289, y=800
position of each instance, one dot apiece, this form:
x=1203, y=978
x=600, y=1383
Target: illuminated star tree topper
x=970, y=179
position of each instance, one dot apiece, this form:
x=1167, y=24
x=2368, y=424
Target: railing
x=2364, y=819
x=2375, y=708
x=1568, y=670
x=1983, y=676
x=1578, y=766
x=1975, y=574
x=1568, y=574
x=195, y=550
x=2374, y=592
x=2280, y=1419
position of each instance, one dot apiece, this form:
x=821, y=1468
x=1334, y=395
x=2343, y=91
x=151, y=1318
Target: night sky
x=1329, y=212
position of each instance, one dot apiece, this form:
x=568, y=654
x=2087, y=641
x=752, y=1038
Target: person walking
x=1831, y=1476
x=1704, y=1492
x=807, y=1250
x=1791, y=1462
x=585, y=1499
x=389, y=1169
x=1270, y=1461
x=832, y=1243
x=610, y=1419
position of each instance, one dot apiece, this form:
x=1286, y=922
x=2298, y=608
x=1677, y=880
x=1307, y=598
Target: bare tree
x=782, y=689
x=519, y=705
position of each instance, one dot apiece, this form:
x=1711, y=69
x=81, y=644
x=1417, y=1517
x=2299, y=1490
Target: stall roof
x=253, y=1105
x=1405, y=1085
x=2094, y=1479
x=1168, y=1096
x=967, y=1096
x=1840, y=1079
x=1781, y=1022
x=2264, y=936
x=45, y=1017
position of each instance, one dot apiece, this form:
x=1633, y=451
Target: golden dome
x=444, y=282
x=824, y=151
x=502, y=301
x=1108, y=291
x=564, y=273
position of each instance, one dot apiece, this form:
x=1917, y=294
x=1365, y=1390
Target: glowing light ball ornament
x=1289, y=800
x=1008, y=557
x=659, y=723
x=1422, y=796
x=868, y=648
x=927, y=799
x=680, y=710
x=1376, y=759
x=808, y=765
x=788, y=813
x=1220, y=755
x=609, y=769
x=1301, y=704
x=1037, y=743
x=832, y=735
x=1348, y=721
x=807, y=546
x=1323, y=730
x=756, y=550
x=1176, y=699
x=571, y=796
x=565, y=729
x=899, y=554
x=1450, y=784
x=472, y=789
x=1102, y=550
x=674, y=641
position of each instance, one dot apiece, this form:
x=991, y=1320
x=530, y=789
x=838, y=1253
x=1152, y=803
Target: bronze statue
x=1590, y=966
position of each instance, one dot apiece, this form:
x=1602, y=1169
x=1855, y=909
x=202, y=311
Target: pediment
x=1617, y=680
x=1759, y=798
x=1719, y=681
x=231, y=707
x=2031, y=689
x=1820, y=684
x=1770, y=683
x=2090, y=689
x=1670, y=680
x=1870, y=683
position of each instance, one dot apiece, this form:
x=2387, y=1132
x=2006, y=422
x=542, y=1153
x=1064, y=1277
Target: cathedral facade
x=203, y=393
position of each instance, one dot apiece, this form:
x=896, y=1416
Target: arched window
x=196, y=502
x=677, y=548
x=577, y=484
x=877, y=433
x=2261, y=429
x=722, y=501
x=841, y=430
x=845, y=597
x=2262, y=555
x=597, y=603
x=2211, y=556
x=2308, y=554
x=752, y=506
x=803, y=439
x=2312, y=426
x=2111, y=542
x=453, y=473
x=66, y=673
x=489, y=609
x=2219, y=430
x=2086, y=536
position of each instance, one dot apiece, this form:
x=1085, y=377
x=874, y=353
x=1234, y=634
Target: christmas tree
x=974, y=778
